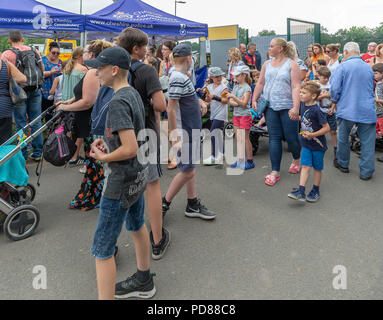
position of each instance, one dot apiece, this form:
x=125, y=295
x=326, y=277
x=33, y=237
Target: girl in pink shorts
x=240, y=100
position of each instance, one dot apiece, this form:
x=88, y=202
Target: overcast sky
x=257, y=15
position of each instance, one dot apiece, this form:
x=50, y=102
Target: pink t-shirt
x=10, y=56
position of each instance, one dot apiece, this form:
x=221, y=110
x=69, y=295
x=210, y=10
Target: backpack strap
x=133, y=68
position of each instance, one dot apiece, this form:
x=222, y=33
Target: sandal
x=172, y=165
x=271, y=180
x=294, y=168
x=76, y=162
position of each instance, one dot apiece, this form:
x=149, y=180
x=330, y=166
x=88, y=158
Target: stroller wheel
x=229, y=130
x=27, y=193
x=21, y=223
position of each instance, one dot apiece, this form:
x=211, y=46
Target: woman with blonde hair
x=73, y=72
x=235, y=61
x=280, y=83
x=332, y=51
x=86, y=92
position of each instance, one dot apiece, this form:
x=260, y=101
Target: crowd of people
x=117, y=90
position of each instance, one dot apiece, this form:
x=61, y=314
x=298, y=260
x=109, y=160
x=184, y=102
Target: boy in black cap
x=184, y=113
x=144, y=79
x=125, y=181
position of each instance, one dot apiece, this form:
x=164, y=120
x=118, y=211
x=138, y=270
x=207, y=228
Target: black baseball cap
x=114, y=56
x=182, y=50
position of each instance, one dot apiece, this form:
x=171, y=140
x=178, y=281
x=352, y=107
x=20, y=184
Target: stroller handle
x=29, y=125
x=31, y=137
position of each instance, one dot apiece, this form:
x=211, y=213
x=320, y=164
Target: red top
x=367, y=57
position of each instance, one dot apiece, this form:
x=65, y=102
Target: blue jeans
x=280, y=127
x=32, y=108
x=217, y=124
x=110, y=222
x=367, y=136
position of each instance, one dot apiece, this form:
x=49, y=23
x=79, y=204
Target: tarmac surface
x=262, y=245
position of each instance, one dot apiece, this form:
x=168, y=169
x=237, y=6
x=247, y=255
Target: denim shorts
x=110, y=222
x=331, y=119
x=313, y=159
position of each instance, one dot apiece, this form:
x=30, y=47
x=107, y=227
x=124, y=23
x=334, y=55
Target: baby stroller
x=18, y=217
x=256, y=131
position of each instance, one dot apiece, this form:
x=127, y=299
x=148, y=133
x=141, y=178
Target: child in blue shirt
x=314, y=126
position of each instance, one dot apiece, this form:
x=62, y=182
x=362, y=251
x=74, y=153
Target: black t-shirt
x=312, y=119
x=146, y=82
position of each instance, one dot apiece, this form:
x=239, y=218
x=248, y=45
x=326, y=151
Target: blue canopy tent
x=137, y=14
x=36, y=19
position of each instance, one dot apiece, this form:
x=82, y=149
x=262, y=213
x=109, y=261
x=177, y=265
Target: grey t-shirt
x=239, y=92
x=125, y=180
x=218, y=111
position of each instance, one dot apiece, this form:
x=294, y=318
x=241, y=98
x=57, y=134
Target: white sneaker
x=209, y=161
x=219, y=159
x=83, y=169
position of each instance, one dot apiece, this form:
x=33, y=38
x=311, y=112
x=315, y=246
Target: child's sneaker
x=249, y=165
x=132, y=288
x=159, y=250
x=165, y=207
x=209, y=161
x=296, y=194
x=198, y=210
x=313, y=196
x=235, y=165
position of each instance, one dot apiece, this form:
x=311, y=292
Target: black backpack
x=59, y=148
x=29, y=63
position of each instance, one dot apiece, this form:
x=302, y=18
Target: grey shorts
x=155, y=172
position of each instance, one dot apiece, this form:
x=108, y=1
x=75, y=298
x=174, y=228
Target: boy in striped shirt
x=185, y=123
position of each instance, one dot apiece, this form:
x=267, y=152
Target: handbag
x=18, y=95
x=263, y=103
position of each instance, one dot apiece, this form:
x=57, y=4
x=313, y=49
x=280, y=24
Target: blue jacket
x=352, y=88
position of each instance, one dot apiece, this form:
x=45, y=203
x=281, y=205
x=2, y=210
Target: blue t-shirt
x=100, y=110
x=312, y=119
x=48, y=81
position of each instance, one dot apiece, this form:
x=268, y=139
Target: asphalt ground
x=261, y=246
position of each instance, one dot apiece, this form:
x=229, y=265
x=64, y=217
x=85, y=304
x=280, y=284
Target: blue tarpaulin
x=137, y=14
x=34, y=18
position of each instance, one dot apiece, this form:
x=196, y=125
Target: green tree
x=243, y=36
x=266, y=33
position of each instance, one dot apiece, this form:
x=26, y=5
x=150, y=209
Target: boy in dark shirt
x=125, y=182
x=314, y=126
x=145, y=80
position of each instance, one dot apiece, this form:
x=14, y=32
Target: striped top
x=6, y=106
x=188, y=113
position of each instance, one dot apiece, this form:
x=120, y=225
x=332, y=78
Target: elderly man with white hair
x=352, y=88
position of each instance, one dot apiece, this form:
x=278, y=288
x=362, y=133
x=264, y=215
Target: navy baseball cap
x=114, y=56
x=182, y=50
